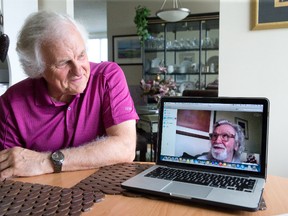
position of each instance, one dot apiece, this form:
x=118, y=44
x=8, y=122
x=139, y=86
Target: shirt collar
x=42, y=97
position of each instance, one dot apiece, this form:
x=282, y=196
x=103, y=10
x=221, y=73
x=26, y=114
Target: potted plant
x=141, y=22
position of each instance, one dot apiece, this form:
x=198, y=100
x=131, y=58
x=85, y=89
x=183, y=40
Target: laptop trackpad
x=183, y=190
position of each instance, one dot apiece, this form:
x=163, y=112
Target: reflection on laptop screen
x=213, y=134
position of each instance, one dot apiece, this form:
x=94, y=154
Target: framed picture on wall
x=127, y=50
x=244, y=125
x=268, y=14
x=194, y=123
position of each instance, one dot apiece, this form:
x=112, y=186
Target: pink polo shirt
x=29, y=118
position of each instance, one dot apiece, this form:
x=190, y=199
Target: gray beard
x=219, y=156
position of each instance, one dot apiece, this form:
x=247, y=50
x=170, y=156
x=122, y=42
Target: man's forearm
x=107, y=151
x=118, y=146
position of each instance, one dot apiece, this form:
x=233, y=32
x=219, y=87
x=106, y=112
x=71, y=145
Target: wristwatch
x=57, y=158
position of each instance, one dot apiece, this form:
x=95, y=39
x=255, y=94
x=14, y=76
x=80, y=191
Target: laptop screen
x=219, y=133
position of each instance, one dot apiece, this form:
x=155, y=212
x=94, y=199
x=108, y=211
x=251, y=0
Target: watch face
x=58, y=156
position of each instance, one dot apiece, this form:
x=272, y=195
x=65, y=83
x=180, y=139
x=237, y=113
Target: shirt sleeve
x=9, y=135
x=118, y=105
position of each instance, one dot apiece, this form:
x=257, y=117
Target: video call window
x=193, y=128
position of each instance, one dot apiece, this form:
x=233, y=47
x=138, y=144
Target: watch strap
x=57, y=167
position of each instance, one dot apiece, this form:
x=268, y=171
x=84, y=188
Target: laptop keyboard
x=208, y=179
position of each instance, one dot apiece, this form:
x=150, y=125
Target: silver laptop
x=209, y=150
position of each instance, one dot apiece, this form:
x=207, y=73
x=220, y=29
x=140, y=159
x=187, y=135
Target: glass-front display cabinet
x=188, y=49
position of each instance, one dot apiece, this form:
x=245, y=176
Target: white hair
x=41, y=27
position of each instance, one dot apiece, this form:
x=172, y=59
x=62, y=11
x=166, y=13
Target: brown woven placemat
x=19, y=198
x=108, y=179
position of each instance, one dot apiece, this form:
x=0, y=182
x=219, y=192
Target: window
x=97, y=50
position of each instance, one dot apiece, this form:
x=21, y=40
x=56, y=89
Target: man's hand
x=23, y=162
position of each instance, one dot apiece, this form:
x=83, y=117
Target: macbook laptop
x=196, y=138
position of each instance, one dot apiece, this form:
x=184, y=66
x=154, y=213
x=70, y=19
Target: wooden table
x=275, y=195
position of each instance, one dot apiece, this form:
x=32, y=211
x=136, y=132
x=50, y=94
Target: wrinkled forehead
x=63, y=31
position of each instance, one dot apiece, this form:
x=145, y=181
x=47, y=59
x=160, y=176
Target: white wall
x=14, y=13
x=254, y=63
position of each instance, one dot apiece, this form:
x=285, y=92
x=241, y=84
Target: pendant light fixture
x=173, y=14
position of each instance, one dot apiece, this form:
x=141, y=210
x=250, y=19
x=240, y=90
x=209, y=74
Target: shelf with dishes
x=184, y=67
x=181, y=50
x=187, y=73
x=188, y=50
x=158, y=43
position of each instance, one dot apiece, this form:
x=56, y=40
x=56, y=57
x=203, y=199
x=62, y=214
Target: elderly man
x=227, y=142
x=70, y=114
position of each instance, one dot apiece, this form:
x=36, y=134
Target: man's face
x=223, y=143
x=67, y=67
